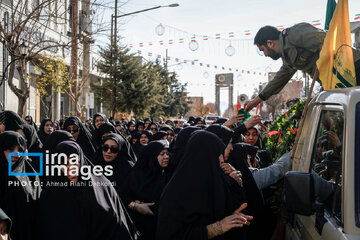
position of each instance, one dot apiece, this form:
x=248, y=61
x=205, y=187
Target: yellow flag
x=336, y=61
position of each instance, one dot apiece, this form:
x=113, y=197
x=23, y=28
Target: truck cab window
x=327, y=157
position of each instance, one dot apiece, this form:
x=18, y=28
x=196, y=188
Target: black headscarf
x=264, y=158
x=220, y=121
x=223, y=132
x=197, y=194
x=137, y=146
x=32, y=123
x=179, y=147
x=11, y=120
x=122, y=164
x=4, y=217
x=158, y=135
x=259, y=142
x=42, y=135
x=18, y=201
x=104, y=128
x=139, y=123
x=79, y=209
x=97, y=115
x=33, y=143
x=128, y=126
x=199, y=119
x=55, y=138
x=85, y=138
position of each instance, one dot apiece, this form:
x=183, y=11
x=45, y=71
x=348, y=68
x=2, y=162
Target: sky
x=237, y=22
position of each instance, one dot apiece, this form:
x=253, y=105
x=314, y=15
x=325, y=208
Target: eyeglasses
x=74, y=130
x=106, y=147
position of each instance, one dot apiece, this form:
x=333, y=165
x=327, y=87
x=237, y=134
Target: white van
x=323, y=191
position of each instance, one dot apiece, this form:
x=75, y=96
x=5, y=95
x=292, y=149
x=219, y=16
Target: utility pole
x=86, y=33
x=115, y=50
x=74, y=49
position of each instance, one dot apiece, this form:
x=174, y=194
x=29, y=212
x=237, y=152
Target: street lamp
x=127, y=14
x=23, y=52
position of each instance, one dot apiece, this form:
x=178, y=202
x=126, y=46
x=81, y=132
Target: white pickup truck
x=322, y=192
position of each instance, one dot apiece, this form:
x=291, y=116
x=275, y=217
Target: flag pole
x=302, y=120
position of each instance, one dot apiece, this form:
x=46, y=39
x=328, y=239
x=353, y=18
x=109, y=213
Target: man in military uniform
x=299, y=48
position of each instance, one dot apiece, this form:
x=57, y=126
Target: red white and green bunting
x=316, y=23
x=280, y=27
x=247, y=32
x=196, y=61
x=231, y=34
x=205, y=37
x=217, y=36
x=181, y=40
x=357, y=17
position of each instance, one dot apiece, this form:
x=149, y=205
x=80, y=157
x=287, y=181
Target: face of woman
x=170, y=137
x=74, y=130
x=147, y=124
x=163, y=158
x=221, y=159
x=131, y=127
x=2, y=127
x=144, y=139
x=110, y=150
x=14, y=158
x=228, y=149
x=153, y=128
x=251, y=136
x=140, y=128
x=48, y=128
x=71, y=171
x=98, y=121
x=119, y=128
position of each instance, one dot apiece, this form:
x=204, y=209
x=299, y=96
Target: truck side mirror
x=299, y=193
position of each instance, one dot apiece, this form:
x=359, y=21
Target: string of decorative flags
x=196, y=62
x=194, y=38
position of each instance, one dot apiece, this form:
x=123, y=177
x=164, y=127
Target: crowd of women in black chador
x=168, y=182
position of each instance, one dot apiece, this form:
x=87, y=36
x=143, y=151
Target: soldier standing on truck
x=299, y=47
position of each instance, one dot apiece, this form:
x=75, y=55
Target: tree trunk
x=21, y=106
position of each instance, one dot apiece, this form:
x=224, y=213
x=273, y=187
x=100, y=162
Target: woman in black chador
x=116, y=153
x=145, y=184
x=103, y=130
x=46, y=128
x=11, y=121
x=18, y=194
x=29, y=120
x=81, y=134
x=196, y=204
x=82, y=206
x=144, y=139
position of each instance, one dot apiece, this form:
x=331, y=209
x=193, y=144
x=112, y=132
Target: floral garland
x=283, y=130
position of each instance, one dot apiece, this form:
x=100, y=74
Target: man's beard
x=273, y=54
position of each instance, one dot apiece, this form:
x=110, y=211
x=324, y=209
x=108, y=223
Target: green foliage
x=286, y=124
x=132, y=86
x=54, y=73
